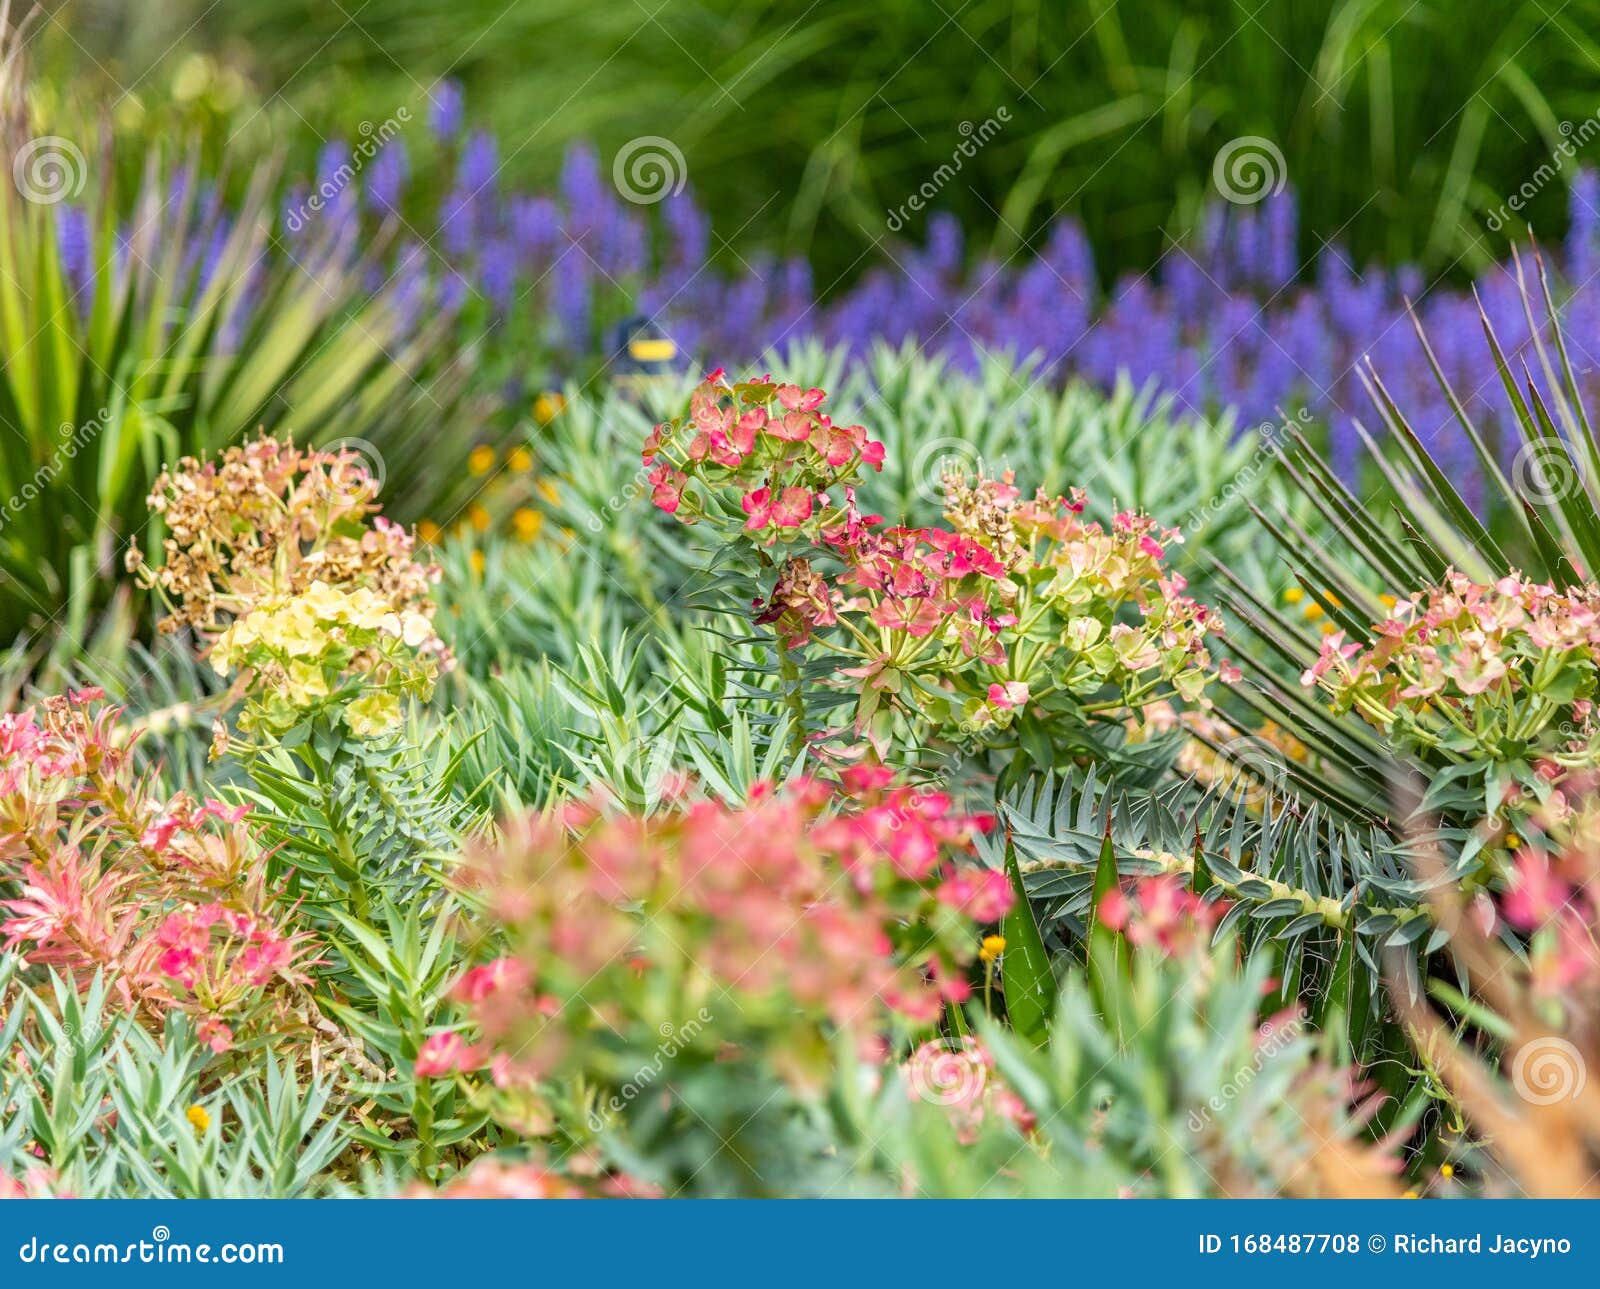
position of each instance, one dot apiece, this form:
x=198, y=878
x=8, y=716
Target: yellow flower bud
x=526, y=523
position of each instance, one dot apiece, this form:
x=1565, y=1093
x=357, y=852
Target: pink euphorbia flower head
x=768, y=446
x=1161, y=913
x=445, y=1053
x=788, y=508
x=803, y=911
x=1458, y=667
x=163, y=898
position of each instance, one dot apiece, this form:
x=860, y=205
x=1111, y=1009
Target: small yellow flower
x=196, y=1114
x=547, y=407
x=1388, y=601
x=428, y=531
x=1411, y=1195
x=481, y=459
x=526, y=523
x=475, y=559
x=1447, y=1171
x=519, y=460
x=1513, y=842
x=1293, y=595
x=547, y=490
x=993, y=947
x=1313, y=610
x=478, y=517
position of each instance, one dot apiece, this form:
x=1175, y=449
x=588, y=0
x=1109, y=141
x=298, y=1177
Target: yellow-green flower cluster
x=328, y=646
x=277, y=559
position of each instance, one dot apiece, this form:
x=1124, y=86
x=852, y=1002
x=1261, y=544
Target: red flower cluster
x=768, y=441
x=492, y=1178
x=782, y=914
x=1161, y=912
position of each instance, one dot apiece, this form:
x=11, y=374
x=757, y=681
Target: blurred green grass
x=1402, y=121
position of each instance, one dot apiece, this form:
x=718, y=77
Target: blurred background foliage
x=1403, y=122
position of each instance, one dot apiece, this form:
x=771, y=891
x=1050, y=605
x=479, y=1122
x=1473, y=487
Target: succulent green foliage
x=112, y=1105
x=1298, y=879
x=394, y=969
x=1192, y=1096
x=358, y=821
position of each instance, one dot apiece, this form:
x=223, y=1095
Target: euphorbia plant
x=1021, y=612
x=1496, y=679
x=748, y=942
x=277, y=560
x=278, y=563
x=165, y=897
x=1102, y=627
x=757, y=460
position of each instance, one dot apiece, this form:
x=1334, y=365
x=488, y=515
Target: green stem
x=793, y=697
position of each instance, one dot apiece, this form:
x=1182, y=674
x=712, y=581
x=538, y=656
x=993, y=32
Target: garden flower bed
x=991, y=737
